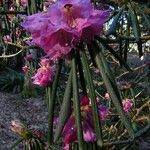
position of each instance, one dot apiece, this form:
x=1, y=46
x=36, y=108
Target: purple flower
x=65, y=23
x=103, y=112
x=127, y=105
x=70, y=132
x=44, y=74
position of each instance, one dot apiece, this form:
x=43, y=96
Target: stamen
x=68, y=12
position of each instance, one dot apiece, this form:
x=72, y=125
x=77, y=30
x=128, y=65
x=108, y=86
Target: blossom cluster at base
x=70, y=132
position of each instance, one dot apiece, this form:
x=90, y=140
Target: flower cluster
x=89, y=135
x=63, y=25
x=44, y=74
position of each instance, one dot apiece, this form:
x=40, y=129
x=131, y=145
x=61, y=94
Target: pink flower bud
x=25, y=69
x=127, y=105
x=107, y=96
x=18, y=127
x=29, y=57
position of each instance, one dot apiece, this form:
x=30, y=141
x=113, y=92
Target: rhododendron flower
x=43, y=76
x=25, y=69
x=64, y=24
x=46, y=34
x=70, y=132
x=127, y=105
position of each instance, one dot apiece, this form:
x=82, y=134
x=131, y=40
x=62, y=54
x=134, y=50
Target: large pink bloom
x=70, y=132
x=64, y=24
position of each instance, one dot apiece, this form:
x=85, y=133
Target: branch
x=131, y=39
x=12, y=12
x=141, y=132
x=13, y=55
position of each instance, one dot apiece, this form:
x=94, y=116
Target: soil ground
x=30, y=111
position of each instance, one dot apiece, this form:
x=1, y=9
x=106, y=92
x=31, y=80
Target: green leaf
x=147, y=21
x=88, y=76
x=114, y=25
x=135, y=24
x=112, y=51
x=113, y=92
x=136, y=29
x=76, y=103
x=15, y=144
x=52, y=102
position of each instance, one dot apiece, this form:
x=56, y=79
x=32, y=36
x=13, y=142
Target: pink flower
x=38, y=134
x=55, y=121
x=70, y=132
x=64, y=24
x=107, y=96
x=18, y=127
x=29, y=57
x=7, y=38
x=45, y=62
x=43, y=76
x=48, y=34
x=24, y=3
x=25, y=69
x=103, y=111
x=127, y=105
x=58, y=52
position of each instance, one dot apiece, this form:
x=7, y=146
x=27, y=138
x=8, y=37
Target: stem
x=12, y=12
x=49, y=98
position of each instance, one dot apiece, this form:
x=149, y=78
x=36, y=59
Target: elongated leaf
x=14, y=145
x=135, y=24
x=136, y=29
x=29, y=11
x=96, y=119
x=127, y=33
x=80, y=68
x=52, y=102
x=65, y=108
x=76, y=103
x=114, y=25
x=116, y=100
x=147, y=20
x=34, y=6
x=121, y=61
x=108, y=70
